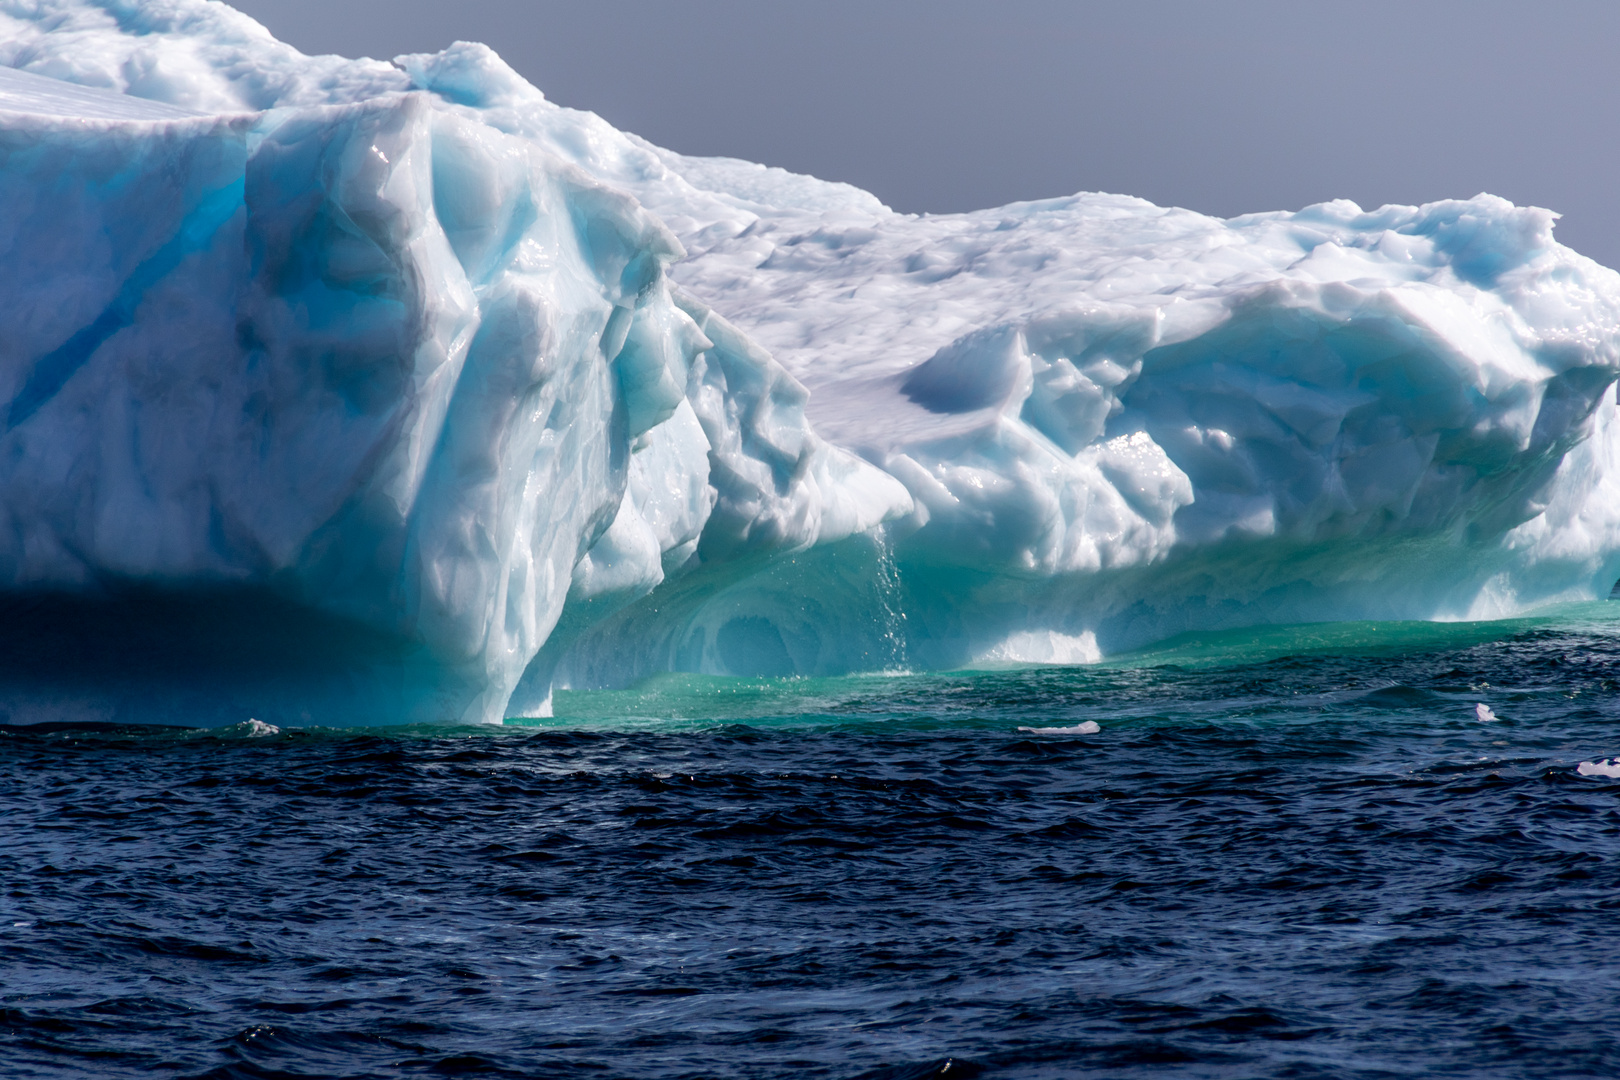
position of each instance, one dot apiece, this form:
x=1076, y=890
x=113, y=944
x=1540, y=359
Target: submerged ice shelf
x=382, y=391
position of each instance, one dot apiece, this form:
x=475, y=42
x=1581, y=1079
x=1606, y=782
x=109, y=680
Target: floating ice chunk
x=515, y=399
x=1609, y=767
x=376, y=361
x=1483, y=712
x=1087, y=727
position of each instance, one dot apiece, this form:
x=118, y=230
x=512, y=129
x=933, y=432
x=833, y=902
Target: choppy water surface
x=1286, y=853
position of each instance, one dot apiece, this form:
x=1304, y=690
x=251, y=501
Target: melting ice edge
x=347, y=391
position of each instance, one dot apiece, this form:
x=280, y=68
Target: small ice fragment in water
x=256, y=729
x=1609, y=767
x=1483, y=712
x=1088, y=727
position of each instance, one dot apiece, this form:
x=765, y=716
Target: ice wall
x=380, y=361
x=404, y=355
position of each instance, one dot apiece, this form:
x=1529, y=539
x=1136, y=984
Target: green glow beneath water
x=675, y=701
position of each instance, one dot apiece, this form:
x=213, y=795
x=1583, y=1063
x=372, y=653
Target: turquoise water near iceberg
x=1293, y=851
x=965, y=697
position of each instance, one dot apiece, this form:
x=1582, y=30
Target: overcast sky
x=1224, y=106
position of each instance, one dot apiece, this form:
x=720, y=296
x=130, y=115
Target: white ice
x=1085, y=727
x=1609, y=767
x=1483, y=712
x=407, y=345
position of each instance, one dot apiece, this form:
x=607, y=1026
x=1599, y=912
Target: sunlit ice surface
x=423, y=397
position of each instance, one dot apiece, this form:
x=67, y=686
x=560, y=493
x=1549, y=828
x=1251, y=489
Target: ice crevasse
x=348, y=390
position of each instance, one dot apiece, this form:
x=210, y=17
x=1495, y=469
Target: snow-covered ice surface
x=522, y=400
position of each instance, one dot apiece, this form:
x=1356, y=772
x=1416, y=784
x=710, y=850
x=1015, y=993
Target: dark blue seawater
x=1289, y=853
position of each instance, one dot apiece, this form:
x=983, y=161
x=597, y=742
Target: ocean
x=1287, y=852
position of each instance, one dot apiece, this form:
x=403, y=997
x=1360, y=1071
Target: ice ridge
x=466, y=395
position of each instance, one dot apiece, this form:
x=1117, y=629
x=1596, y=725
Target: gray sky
x=943, y=105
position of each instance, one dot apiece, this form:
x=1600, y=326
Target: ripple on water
x=1299, y=862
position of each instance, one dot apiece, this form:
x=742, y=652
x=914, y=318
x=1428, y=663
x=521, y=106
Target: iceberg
x=341, y=391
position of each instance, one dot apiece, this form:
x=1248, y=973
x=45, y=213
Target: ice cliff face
x=406, y=349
